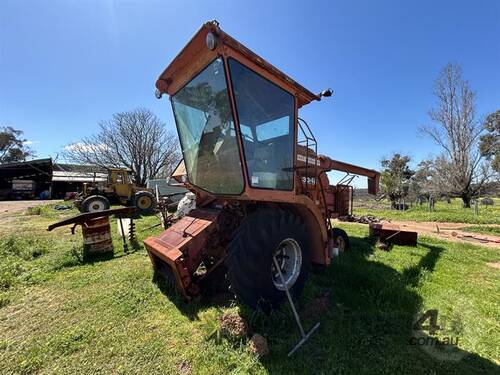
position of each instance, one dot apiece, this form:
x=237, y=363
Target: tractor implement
x=264, y=202
x=177, y=253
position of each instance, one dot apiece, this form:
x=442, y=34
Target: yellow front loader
x=118, y=189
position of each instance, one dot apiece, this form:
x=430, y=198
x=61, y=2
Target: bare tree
x=136, y=140
x=459, y=170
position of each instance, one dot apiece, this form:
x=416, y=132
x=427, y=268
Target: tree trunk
x=466, y=200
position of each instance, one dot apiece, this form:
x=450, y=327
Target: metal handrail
x=310, y=141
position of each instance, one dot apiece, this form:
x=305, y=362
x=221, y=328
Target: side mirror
x=326, y=93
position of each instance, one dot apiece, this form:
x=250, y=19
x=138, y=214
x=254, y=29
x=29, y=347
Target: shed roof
x=31, y=169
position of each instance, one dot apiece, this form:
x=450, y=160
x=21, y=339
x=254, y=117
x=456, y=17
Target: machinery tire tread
x=250, y=255
x=337, y=232
x=148, y=210
x=85, y=205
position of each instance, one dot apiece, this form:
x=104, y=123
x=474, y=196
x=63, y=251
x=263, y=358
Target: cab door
x=122, y=186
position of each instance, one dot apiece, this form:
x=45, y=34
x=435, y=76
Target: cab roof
x=196, y=55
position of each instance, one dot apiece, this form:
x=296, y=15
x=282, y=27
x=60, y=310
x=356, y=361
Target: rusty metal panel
x=393, y=234
x=97, y=236
x=344, y=198
x=180, y=247
x=181, y=232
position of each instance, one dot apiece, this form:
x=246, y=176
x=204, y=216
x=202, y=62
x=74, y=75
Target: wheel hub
x=289, y=257
x=340, y=244
x=96, y=206
x=144, y=202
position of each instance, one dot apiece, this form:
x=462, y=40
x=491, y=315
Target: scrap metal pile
x=364, y=219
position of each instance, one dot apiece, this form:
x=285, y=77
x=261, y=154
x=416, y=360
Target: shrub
x=37, y=210
x=210, y=325
x=487, y=201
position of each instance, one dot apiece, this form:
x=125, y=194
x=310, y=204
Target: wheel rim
x=289, y=257
x=340, y=244
x=144, y=202
x=97, y=206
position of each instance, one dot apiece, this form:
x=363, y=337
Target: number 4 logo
x=431, y=316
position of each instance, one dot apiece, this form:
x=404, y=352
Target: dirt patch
x=449, y=231
x=317, y=307
x=258, y=345
x=9, y=209
x=494, y=265
x=233, y=326
x=184, y=368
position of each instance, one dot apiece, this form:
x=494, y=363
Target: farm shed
x=71, y=177
x=28, y=179
x=42, y=178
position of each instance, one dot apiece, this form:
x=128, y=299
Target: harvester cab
x=262, y=192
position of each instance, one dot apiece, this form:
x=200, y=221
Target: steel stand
x=125, y=246
x=305, y=336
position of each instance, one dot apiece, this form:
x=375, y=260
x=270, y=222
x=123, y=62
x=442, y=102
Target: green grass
x=443, y=211
x=60, y=315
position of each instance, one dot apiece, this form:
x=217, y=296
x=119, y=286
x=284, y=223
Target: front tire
x=94, y=203
x=145, y=202
x=251, y=271
x=340, y=240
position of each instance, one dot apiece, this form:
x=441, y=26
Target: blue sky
x=66, y=65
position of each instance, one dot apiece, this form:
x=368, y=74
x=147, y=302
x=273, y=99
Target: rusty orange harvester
x=261, y=188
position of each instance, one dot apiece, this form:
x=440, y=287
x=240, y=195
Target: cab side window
x=266, y=114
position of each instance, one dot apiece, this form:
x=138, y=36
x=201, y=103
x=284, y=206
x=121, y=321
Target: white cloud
x=29, y=143
x=82, y=147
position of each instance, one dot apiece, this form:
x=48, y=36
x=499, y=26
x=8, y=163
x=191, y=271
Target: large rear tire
x=145, y=202
x=251, y=271
x=94, y=203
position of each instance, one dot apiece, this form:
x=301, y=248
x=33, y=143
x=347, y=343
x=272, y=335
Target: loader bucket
x=177, y=253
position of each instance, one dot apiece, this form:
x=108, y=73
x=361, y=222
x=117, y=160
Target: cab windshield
x=207, y=134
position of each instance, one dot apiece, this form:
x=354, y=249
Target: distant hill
x=360, y=193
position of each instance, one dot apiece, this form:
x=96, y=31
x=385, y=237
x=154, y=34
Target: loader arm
x=327, y=164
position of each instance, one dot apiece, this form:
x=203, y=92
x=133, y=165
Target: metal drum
x=97, y=236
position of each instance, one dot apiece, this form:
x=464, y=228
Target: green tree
x=420, y=184
x=12, y=146
x=395, y=177
x=489, y=145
